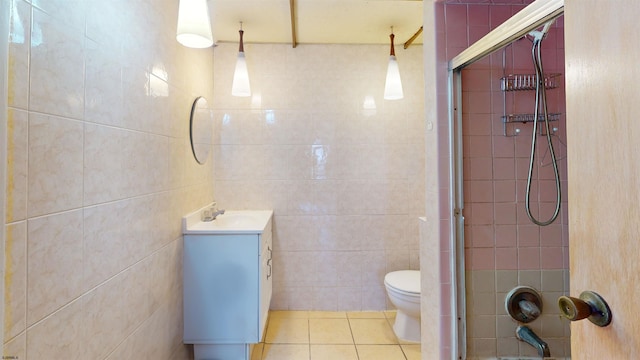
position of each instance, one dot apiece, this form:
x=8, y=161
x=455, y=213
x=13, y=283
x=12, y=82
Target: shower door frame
x=530, y=18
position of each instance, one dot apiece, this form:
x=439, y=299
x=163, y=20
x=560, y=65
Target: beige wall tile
x=56, y=62
x=19, y=44
x=60, y=336
x=16, y=347
x=17, y=165
x=105, y=317
x=55, y=262
x=15, y=280
x=55, y=164
x=103, y=120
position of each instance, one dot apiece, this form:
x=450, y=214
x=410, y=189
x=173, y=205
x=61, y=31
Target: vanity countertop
x=231, y=222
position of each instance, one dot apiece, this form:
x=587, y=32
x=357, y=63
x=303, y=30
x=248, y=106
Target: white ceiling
x=317, y=21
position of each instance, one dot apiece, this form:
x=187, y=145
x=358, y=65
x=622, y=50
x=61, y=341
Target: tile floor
x=325, y=335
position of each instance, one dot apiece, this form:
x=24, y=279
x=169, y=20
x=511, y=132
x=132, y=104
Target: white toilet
x=403, y=288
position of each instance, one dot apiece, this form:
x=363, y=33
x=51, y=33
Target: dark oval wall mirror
x=201, y=129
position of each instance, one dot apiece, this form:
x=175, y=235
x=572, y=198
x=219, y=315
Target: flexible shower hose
x=541, y=101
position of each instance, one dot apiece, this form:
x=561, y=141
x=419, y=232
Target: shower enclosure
x=498, y=247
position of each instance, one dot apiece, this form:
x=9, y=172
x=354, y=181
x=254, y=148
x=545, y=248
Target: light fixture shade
x=194, y=26
x=393, y=84
x=241, y=86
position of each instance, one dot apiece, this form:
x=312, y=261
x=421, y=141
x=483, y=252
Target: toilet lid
x=404, y=280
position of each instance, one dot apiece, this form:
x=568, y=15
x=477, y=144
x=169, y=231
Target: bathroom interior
x=100, y=172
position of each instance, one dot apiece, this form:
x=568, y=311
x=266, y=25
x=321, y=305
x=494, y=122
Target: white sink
x=236, y=219
x=231, y=222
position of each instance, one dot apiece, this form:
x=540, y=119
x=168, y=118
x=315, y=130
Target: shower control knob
x=589, y=306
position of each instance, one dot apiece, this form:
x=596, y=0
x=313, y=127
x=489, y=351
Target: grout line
x=352, y=336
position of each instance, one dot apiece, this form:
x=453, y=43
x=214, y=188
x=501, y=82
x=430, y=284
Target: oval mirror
x=201, y=129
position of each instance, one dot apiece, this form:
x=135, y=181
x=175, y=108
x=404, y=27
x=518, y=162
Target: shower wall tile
x=457, y=34
x=504, y=191
x=552, y=258
x=507, y=258
x=528, y=258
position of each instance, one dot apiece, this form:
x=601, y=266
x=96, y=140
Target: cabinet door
x=266, y=279
x=221, y=289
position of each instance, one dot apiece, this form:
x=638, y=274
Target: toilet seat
x=404, y=281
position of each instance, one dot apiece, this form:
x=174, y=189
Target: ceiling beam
x=411, y=39
x=292, y=7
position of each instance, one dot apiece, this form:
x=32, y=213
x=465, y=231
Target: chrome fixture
x=524, y=333
x=541, y=102
x=523, y=304
x=211, y=213
x=216, y=213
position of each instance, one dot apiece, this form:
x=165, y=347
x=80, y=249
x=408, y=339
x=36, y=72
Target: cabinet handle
x=270, y=271
x=269, y=262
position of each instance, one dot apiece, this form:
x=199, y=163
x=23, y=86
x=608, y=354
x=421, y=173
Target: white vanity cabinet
x=227, y=285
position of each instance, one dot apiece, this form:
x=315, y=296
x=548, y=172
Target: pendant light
x=241, y=86
x=393, y=84
x=194, y=26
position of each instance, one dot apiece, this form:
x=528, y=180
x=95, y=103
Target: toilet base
x=407, y=327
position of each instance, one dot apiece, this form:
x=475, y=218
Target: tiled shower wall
x=503, y=248
x=342, y=168
x=100, y=172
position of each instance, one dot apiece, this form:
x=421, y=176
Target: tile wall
x=503, y=248
x=100, y=172
x=437, y=228
x=342, y=168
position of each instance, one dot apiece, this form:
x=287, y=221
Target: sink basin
x=235, y=219
x=231, y=222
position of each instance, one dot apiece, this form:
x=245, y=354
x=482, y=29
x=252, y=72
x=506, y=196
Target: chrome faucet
x=211, y=214
x=524, y=333
x=216, y=213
